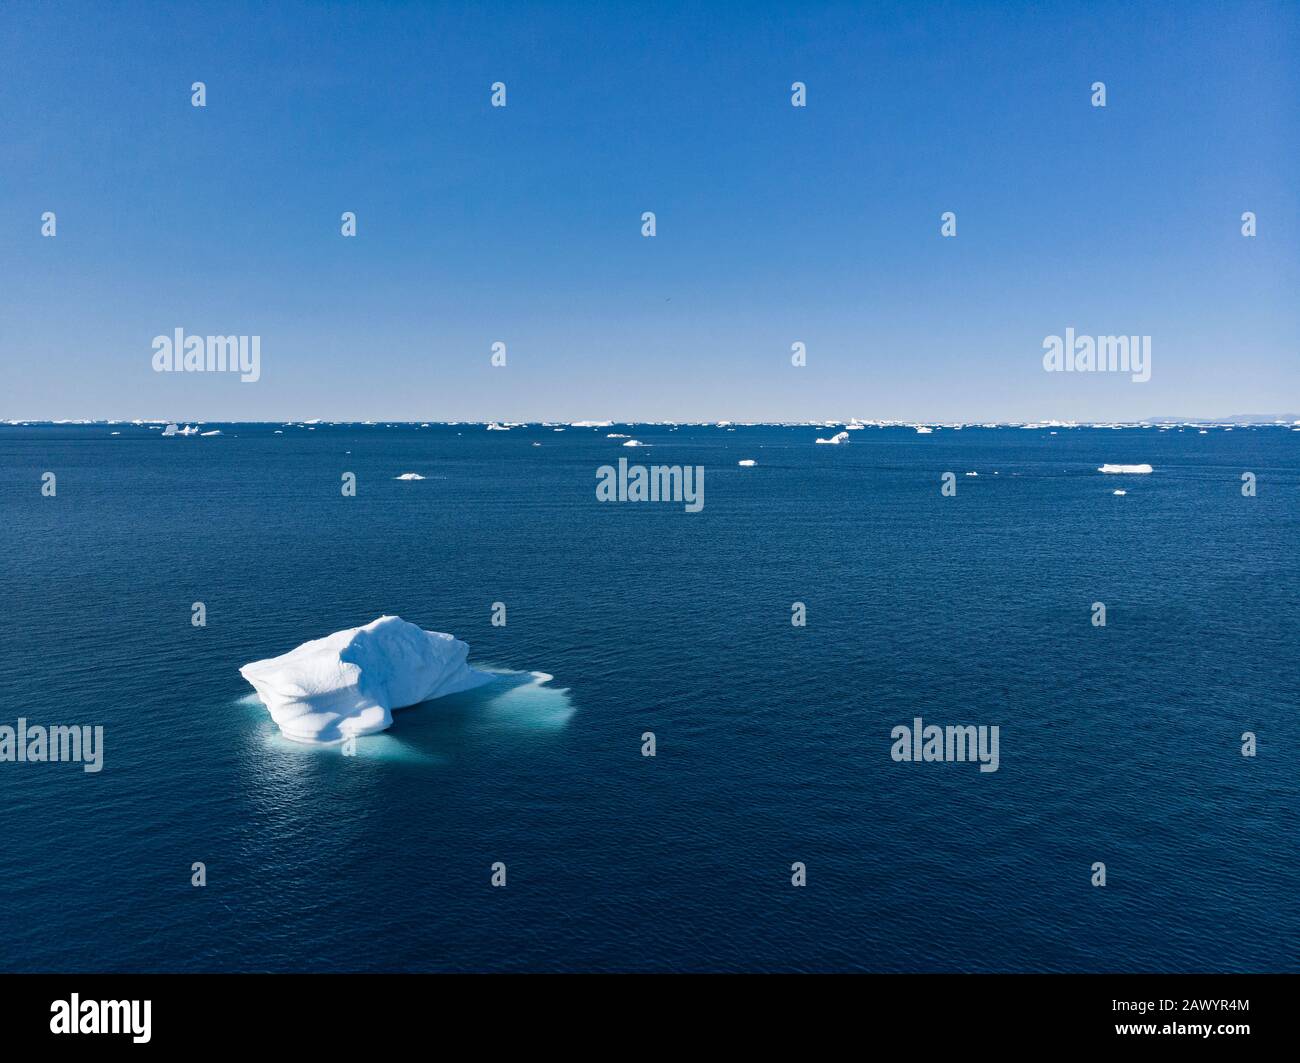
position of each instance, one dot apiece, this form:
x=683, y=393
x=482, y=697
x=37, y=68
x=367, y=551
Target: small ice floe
x=1119, y=492
x=214, y=432
x=616, y=435
x=1125, y=468
x=115, y=433
x=494, y=427
x=923, y=429
x=409, y=476
x=747, y=462
x=537, y=444
x=836, y=439
x=634, y=443
x=972, y=474
x=279, y=432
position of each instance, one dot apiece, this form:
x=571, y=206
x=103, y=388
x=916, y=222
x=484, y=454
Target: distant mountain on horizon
x=1236, y=418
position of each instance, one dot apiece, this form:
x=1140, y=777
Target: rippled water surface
x=1119, y=744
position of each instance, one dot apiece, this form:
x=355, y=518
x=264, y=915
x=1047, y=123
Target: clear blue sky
x=775, y=224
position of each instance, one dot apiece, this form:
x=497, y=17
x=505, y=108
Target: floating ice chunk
x=409, y=476
x=348, y=683
x=494, y=427
x=214, y=432
x=1119, y=492
x=634, y=443
x=836, y=439
x=972, y=474
x=616, y=435
x=1125, y=468
x=923, y=429
x=747, y=462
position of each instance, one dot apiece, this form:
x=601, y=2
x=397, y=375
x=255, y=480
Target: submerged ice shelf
x=349, y=682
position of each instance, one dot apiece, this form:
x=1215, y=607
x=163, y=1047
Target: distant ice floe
x=214, y=432
x=172, y=430
x=348, y=683
x=409, y=476
x=634, y=443
x=1126, y=468
x=590, y=424
x=747, y=462
x=836, y=439
x=494, y=427
x=1119, y=492
x=972, y=474
x=923, y=429
x=616, y=435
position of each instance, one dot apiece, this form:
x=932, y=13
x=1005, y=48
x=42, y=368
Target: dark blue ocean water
x=1118, y=744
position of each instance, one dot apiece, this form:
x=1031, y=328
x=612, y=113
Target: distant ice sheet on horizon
x=1126, y=468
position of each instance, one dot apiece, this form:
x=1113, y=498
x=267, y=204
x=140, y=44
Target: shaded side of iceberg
x=348, y=683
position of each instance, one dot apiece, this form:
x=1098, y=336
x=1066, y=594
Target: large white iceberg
x=1125, y=468
x=348, y=683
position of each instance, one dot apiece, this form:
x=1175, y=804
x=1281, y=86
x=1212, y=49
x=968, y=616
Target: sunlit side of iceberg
x=348, y=683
